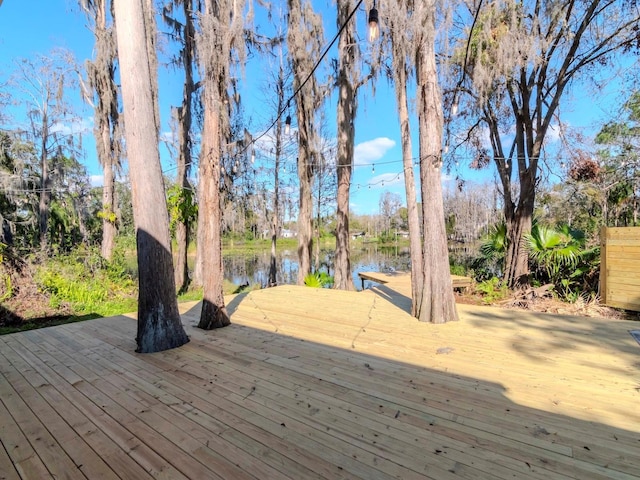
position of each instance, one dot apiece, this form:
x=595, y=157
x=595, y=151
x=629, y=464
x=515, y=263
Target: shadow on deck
x=312, y=383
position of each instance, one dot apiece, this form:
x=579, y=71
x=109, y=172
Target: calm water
x=254, y=268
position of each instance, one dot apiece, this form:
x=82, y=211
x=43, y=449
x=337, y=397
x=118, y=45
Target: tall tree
x=521, y=57
x=304, y=39
x=621, y=157
x=437, y=304
x=184, y=32
x=400, y=72
x=347, y=82
x=45, y=81
x=275, y=209
x=159, y=325
x=221, y=40
x=101, y=73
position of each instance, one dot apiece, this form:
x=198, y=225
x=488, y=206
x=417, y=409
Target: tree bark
x=159, y=325
x=273, y=269
x=305, y=200
x=101, y=74
x=45, y=182
x=183, y=227
x=109, y=229
x=413, y=217
x=304, y=39
x=438, y=304
x=214, y=313
x=343, y=279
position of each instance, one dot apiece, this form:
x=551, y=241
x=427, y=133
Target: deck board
x=313, y=383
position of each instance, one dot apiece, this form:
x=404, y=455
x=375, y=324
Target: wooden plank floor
x=312, y=383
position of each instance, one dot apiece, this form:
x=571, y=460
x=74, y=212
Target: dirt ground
x=549, y=304
x=20, y=299
x=22, y=302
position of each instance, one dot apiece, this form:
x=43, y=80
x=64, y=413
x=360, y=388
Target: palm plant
x=554, y=250
x=492, y=250
x=318, y=279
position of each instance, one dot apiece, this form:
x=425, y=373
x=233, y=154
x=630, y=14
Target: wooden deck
x=312, y=383
x=401, y=281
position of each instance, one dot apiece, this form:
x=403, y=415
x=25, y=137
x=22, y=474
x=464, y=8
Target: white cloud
x=167, y=137
x=553, y=134
x=368, y=152
x=97, y=180
x=75, y=126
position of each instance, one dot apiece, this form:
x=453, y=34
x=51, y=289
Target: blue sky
x=28, y=28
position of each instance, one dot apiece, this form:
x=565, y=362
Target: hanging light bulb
x=446, y=148
x=222, y=170
x=253, y=156
x=374, y=28
x=454, y=107
x=373, y=168
x=287, y=125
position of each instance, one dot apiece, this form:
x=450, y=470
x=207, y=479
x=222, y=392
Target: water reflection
x=254, y=268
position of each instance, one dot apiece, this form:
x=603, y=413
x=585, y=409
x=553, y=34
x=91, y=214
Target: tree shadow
x=310, y=407
x=466, y=419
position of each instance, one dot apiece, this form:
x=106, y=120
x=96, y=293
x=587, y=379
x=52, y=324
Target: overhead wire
x=300, y=87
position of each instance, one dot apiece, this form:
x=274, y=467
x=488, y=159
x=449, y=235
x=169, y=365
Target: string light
x=374, y=28
x=287, y=125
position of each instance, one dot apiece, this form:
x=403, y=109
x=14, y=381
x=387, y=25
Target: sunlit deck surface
x=313, y=383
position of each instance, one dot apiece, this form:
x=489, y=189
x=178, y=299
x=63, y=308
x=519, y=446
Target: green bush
x=90, y=284
x=318, y=280
x=492, y=290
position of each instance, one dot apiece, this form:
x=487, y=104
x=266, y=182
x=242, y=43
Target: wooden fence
x=620, y=267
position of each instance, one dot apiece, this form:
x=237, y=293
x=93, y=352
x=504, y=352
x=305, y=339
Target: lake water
x=254, y=268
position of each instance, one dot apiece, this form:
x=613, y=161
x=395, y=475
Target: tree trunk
x=343, y=279
x=101, y=74
x=304, y=37
x=438, y=304
x=214, y=313
x=273, y=270
x=184, y=149
x=45, y=185
x=181, y=268
x=198, y=275
x=519, y=221
x=413, y=217
x=109, y=229
x=159, y=325
x=305, y=206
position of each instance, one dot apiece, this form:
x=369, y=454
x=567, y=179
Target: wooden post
x=603, y=265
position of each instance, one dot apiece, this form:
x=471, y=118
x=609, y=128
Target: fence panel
x=620, y=267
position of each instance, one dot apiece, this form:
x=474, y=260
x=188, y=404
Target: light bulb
x=374, y=28
x=287, y=125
